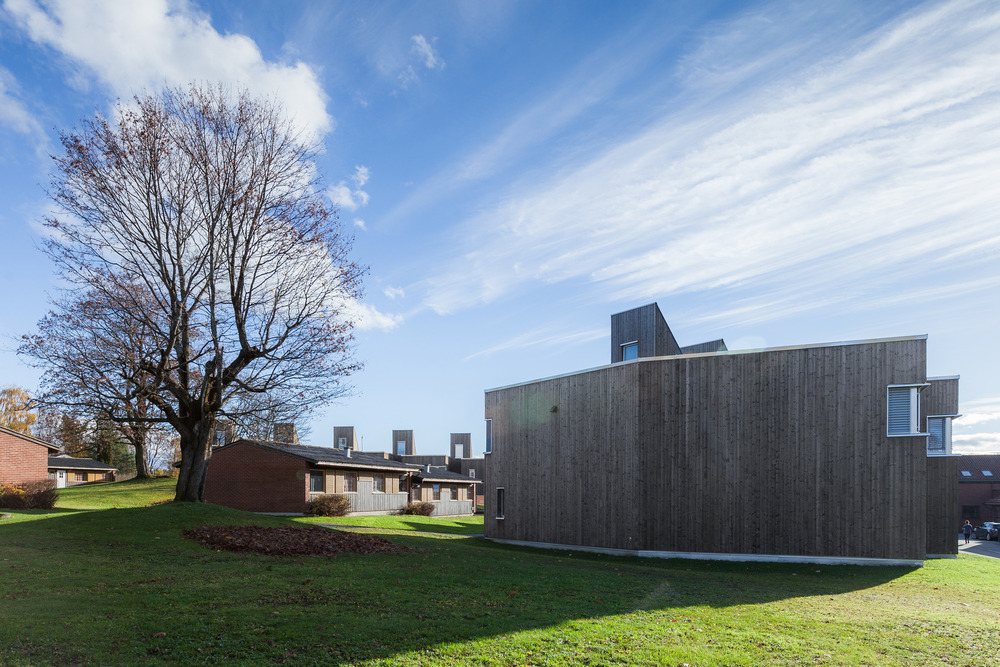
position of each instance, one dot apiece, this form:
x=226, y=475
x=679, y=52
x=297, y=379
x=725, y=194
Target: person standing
x=967, y=529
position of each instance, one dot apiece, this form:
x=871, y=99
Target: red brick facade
x=22, y=459
x=247, y=477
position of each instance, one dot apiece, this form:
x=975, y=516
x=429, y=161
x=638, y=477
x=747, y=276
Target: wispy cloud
x=425, y=51
x=976, y=443
x=13, y=113
x=394, y=292
x=351, y=196
x=978, y=412
x=131, y=46
x=366, y=317
x=536, y=338
x=873, y=164
x=361, y=224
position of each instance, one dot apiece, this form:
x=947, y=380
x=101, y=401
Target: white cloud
x=367, y=317
x=13, y=113
x=394, y=292
x=426, y=52
x=351, y=198
x=978, y=412
x=360, y=224
x=535, y=338
x=976, y=443
x=869, y=167
x=131, y=46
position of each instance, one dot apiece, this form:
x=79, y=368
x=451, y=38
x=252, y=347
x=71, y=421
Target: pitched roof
x=66, y=462
x=328, y=456
x=981, y=468
x=30, y=438
x=439, y=474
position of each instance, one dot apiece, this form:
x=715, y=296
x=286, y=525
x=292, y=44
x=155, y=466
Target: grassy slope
x=103, y=586
x=463, y=525
x=133, y=493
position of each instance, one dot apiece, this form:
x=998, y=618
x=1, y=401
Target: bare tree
x=199, y=217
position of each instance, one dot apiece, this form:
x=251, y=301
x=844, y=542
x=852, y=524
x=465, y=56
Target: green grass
x=464, y=525
x=110, y=495
x=122, y=586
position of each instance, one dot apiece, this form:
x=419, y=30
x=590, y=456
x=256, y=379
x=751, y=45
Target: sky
x=771, y=173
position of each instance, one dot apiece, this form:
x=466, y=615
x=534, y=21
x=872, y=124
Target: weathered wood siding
x=943, y=511
x=371, y=502
x=941, y=398
x=645, y=325
x=348, y=433
x=461, y=445
x=403, y=435
x=782, y=451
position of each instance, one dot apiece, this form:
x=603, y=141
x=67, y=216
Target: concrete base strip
x=707, y=555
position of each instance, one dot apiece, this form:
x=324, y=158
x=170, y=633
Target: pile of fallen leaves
x=289, y=540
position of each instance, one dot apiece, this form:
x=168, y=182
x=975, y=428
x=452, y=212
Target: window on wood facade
x=316, y=481
x=378, y=482
x=341, y=443
x=939, y=435
x=401, y=448
x=500, y=499
x=630, y=350
x=80, y=476
x=454, y=493
x=437, y=492
x=489, y=436
x=350, y=482
x=970, y=512
x=904, y=410
x=472, y=472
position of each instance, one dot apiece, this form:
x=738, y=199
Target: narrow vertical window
x=378, y=482
x=401, y=448
x=489, y=436
x=630, y=350
x=341, y=443
x=904, y=410
x=437, y=492
x=939, y=435
x=316, y=481
x=350, y=482
x=500, y=499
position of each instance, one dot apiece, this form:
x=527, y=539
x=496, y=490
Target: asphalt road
x=980, y=547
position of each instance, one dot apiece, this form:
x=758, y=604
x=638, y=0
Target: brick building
x=23, y=458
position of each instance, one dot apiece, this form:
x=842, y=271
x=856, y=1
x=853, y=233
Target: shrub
x=39, y=495
x=332, y=504
x=423, y=509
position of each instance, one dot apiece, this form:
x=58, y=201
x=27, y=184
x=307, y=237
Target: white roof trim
x=945, y=377
x=786, y=348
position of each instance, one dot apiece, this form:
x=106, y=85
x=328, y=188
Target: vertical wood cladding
x=782, y=451
x=645, y=325
x=348, y=433
x=403, y=436
x=943, y=512
x=941, y=398
x=461, y=445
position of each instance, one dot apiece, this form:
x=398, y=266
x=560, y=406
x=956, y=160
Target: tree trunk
x=196, y=450
x=141, y=459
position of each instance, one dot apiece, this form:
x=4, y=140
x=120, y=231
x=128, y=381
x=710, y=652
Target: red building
x=979, y=487
x=23, y=458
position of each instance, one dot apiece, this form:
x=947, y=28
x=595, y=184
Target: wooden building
x=66, y=470
x=813, y=453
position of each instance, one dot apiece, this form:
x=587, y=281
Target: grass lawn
x=109, y=495
x=464, y=525
x=121, y=586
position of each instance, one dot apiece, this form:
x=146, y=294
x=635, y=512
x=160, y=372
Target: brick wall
x=247, y=477
x=22, y=460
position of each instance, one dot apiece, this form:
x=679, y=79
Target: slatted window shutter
x=903, y=410
x=936, y=437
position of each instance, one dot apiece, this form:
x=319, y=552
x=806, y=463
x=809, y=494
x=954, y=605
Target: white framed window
x=500, y=502
x=630, y=350
x=341, y=443
x=903, y=402
x=489, y=436
x=939, y=434
x=401, y=447
x=472, y=472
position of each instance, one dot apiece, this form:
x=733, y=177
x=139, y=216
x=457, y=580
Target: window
x=630, y=350
x=350, y=482
x=220, y=437
x=401, y=448
x=939, y=435
x=472, y=472
x=987, y=473
x=500, y=499
x=80, y=476
x=454, y=493
x=437, y=492
x=966, y=473
x=970, y=512
x=315, y=481
x=378, y=482
x=489, y=436
x=341, y=443
x=904, y=410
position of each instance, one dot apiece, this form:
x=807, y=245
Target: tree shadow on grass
x=169, y=598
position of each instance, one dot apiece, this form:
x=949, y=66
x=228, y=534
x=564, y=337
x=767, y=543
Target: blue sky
x=773, y=173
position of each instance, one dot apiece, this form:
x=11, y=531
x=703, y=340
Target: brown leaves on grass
x=289, y=540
